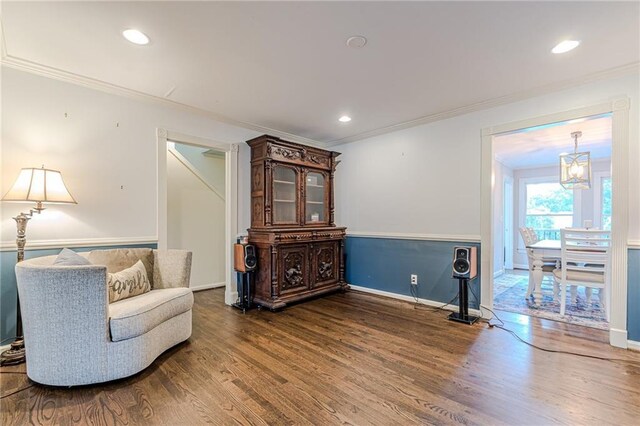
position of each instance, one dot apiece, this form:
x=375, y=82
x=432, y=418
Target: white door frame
x=231, y=196
x=619, y=107
x=508, y=212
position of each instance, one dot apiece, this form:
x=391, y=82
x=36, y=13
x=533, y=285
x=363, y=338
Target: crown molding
x=103, y=86
x=495, y=102
x=69, y=77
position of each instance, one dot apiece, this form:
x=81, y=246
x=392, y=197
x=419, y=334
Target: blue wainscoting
x=633, y=295
x=8, y=290
x=387, y=263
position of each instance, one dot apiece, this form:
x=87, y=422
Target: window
x=602, y=200
x=549, y=207
x=605, y=196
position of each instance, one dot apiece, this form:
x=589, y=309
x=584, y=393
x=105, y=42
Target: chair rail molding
x=619, y=108
x=74, y=243
x=230, y=151
x=415, y=236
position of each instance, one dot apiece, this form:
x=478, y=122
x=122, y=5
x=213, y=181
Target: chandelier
x=575, y=168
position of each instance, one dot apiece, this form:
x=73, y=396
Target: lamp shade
x=39, y=185
x=575, y=168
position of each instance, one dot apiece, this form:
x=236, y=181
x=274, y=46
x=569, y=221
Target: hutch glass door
x=315, y=198
x=285, y=200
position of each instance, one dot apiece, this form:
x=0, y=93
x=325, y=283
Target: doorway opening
x=536, y=207
x=209, y=149
x=196, y=210
x=618, y=109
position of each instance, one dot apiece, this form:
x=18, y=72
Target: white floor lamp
x=39, y=186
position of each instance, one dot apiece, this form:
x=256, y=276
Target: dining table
x=547, y=250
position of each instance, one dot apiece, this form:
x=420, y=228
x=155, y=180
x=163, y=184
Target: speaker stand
x=244, y=291
x=463, y=304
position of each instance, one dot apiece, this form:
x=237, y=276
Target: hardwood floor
x=352, y=358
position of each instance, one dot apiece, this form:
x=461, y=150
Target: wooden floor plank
x=351, y=358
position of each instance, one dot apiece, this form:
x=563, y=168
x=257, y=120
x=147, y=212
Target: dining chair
x=529, y=237
x=585, y=262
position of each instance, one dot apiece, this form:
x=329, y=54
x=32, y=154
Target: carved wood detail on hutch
x=300, y=249
x=294, y=271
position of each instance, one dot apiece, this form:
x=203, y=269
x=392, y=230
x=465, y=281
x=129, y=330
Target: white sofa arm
x=65, y=320
x=171, y=268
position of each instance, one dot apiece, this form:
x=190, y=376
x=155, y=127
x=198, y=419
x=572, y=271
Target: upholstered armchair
x=74, y=336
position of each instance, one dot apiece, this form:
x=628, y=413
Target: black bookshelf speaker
x=244, y=257
x=465, y=262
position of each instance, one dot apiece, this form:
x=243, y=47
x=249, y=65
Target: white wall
x=195, y=219
x=423, y=180
x=105, y=147
x=426, y=179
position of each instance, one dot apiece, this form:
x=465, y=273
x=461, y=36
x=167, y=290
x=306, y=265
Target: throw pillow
x=70, y=258
x=118, y=259
x=129, y=282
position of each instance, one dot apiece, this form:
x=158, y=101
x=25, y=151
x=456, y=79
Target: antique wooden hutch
x=299, y=247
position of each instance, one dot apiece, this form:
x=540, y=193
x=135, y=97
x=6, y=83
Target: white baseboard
x=410, y=299
x=618, y=338
x=633, y=345
x=207, y=286
x=519, y=266
x=496, y=274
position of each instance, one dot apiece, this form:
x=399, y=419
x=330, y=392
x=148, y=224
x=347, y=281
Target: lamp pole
x=16, y=353
x=32, y=185
x=21, y=223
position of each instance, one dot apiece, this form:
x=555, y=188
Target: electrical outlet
x=414, y=279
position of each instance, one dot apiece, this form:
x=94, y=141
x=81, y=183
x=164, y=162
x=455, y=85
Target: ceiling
x=542, y=145
x=286, y=66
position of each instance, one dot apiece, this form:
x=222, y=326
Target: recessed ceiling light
x=135, y=36
x=565, y=46
x=344, y=119
x=356, y=42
